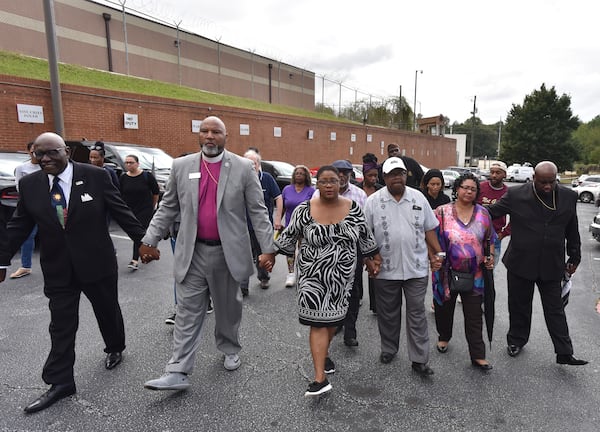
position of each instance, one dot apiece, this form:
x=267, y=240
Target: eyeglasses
x=469, y=188
x=328, y=182
x=50, y=153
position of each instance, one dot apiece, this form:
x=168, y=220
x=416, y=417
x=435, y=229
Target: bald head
x=51, y=152
x=213, y=136
x=544, y=177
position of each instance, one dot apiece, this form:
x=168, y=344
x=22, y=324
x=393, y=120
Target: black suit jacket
x=83, y=248
x=537, y=243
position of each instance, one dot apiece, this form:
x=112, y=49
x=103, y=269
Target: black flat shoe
x=351, y=342
x=113, y=359
x=483, y=367
x=386, y=358
x=422, y=369
x=442, y=349
x=568, y=359
x=513, y=350
x=55, y=393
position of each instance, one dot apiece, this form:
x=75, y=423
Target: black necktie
x=57, y=198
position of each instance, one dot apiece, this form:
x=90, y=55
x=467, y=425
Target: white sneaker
x=290, y=280
x=169, y=381
x=232, y=362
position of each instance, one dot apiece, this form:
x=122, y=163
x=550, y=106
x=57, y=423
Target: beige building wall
x=153, y=50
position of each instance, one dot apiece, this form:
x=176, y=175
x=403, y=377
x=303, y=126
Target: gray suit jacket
x=238, y=190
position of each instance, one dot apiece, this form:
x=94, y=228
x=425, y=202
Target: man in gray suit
x=211, y=191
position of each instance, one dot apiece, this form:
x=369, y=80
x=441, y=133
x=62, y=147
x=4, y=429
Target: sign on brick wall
x=30, y=113
x=130, y=121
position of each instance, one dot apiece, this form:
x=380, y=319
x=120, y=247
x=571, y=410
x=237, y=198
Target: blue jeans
x=27, y=249
x=497, y=250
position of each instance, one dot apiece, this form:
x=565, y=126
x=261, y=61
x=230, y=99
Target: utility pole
x=415, y=102
x=400, y=109
x=499, y=135
x=472, y=130
x=51, y=41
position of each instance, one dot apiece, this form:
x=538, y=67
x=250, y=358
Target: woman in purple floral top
x=298, y=191
x=465, y=228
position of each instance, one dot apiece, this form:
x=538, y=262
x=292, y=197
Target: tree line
x=542, y=127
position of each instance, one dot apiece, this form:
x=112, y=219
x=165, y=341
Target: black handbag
x=460, y=282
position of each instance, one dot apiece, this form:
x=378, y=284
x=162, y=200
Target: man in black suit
x=76, y=254
x=414, y=172
x=543, y=216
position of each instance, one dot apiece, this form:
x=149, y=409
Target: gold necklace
x=209, y=173
x=553, y=208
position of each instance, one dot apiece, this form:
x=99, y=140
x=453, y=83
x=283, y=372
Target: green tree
x=587, y=139
x=541, y=129
x=485, y=137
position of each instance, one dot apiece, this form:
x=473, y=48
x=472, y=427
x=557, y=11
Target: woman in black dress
x=140, y=191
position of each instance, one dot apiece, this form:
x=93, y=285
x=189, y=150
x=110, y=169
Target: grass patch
x=34, y=68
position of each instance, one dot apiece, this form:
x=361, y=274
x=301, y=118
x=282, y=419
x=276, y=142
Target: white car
x=449, y=177
x=588, y=193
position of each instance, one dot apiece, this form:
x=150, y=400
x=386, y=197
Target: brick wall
x=166, y=123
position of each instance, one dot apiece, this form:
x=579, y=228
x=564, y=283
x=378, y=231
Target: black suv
x=151, y=159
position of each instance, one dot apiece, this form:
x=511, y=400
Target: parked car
x=588, y=193
x=281, y=171
x=595, y=227
x=8, y=185
x=449, y=177
x=576, y=182
x=358, y=172
x=151, y=159
x=519, y=174
x=590, y=180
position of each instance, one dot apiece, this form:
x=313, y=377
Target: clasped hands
x=373, y=265
x=266, y=261
x=148, y=253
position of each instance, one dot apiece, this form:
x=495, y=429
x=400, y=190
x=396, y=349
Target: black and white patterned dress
x=326, y=262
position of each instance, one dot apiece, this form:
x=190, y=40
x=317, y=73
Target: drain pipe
x=106, y=17
x=270, y=83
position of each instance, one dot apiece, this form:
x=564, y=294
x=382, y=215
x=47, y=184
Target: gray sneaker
x=169, y=381
x=232, y=362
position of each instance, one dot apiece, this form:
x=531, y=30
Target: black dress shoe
x=422, y=369
x=113, y=359
x=55, y=393
x=386, y=358
x=568, y=359
x=482, y=366
x=351, y=342
x=245, y=292
x=513, y=350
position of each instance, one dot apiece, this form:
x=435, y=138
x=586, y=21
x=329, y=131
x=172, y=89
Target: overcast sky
x=497, y=51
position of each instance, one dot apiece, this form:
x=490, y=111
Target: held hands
x=148, y=253
x=373, y=265
x=489, y=262
x=570, y=268
x=436, y=262
x=266, y=261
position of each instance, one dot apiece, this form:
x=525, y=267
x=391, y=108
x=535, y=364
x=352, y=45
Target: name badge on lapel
x=86, y=197
x=195, y=175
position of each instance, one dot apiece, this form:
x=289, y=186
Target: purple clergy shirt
x=207, y=200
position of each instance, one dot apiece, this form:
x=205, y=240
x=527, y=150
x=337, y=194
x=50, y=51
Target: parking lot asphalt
x=527, y=393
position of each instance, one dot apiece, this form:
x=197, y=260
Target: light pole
x=415, y=101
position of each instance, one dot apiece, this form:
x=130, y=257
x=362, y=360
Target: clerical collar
x=213, y=159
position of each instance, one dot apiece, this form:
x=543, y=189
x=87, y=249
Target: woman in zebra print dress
x=330, y=227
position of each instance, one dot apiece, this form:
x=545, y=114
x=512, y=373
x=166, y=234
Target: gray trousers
x=208, y=276
x=388, y=298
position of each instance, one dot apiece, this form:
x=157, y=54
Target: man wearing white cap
x=490, y=192
x=404, y=227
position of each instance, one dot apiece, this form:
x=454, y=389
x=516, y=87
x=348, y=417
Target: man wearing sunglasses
x=69, y=202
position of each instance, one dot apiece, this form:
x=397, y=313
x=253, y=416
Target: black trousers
x=64, y=321
x=473, y=318
x=356, y=295
x=520, y=298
